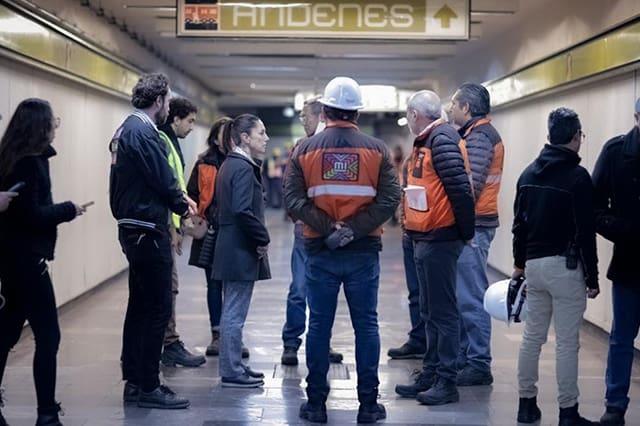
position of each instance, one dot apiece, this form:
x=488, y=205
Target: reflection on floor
x=89, y=376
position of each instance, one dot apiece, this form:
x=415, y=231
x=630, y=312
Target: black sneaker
x=242, y=381
x=214, y=347
x=253, y=373
x=443, y=392
x=528, y=411
x=406, y=351
x=470, y=376
x=245, y=352
x=612, y=417
x=49, y=416
x=162, y=397
x=289, y=357
x=371, y=413
x=315, y=413
x=176, y=354
x=422, y=382
x=335, y=357
x=571, y=417
x=131, y=392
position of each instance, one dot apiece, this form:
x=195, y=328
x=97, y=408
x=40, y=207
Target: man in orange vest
x=343, y=187
x=469, y=109
x=439, y=217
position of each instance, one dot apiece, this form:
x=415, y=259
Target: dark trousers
x=417, y=336
x=214, y=299
x=149, y=308
x=360, y=273
x=28, y=292
x=297, y=298
x=626, y=322
x=436, y=263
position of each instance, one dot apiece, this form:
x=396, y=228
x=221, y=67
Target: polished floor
x=90, y=389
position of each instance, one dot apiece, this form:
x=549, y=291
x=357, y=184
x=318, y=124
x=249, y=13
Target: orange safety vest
x=341, y=170
x=420, y=172
x=487, y=203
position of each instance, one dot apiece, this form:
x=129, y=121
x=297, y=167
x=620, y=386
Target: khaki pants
x=171, y=334
x=553, y=291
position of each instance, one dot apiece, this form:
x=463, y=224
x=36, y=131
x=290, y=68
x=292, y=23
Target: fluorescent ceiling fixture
x=492, y=13
x=254, y=68
x=150, y=7
x=402, y=121
x=19, y=25
x=288, y=112
x=268, y=6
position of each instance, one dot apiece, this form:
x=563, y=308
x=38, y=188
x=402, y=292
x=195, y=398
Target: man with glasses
x=295, y=324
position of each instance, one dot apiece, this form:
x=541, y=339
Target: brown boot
x=214, y=347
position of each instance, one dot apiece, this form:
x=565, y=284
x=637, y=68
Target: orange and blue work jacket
x=439, y=165
x=486, y=158
x=342, y=175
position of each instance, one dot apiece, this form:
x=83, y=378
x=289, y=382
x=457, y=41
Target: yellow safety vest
x=178, y=170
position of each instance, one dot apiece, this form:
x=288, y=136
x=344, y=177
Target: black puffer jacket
x=554, y=209
x=29, y=225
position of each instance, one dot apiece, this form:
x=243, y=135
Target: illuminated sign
x=378, y=19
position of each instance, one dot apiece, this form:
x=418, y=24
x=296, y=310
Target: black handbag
x=205, y=260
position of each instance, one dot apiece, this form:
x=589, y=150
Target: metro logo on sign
x=381, y=19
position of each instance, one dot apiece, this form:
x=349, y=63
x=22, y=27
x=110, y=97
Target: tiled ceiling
x=269, y=71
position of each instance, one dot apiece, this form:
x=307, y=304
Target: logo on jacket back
x=340, y=167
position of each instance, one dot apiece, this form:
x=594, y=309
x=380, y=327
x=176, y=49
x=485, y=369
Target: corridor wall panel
x=88, y=252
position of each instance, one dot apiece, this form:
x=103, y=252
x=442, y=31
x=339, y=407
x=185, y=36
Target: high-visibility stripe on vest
x=178, y=171
x=487, y=202
x=421, y=172
x=341, y=170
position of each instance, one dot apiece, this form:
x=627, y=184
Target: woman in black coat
x=241, y=249
x=27, y=242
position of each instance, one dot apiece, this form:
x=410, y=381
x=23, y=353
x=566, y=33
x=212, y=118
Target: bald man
x=439, y=218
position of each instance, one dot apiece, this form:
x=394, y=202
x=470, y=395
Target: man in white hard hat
x=343, y=186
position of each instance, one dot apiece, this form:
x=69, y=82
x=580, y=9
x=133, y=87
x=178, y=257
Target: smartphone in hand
x=17, y=187
x=85, y=205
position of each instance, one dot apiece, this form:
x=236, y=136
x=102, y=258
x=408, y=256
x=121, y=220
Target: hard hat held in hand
x=506, y=300
x=343, y=93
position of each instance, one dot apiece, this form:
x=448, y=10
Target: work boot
x=214, y=347
x=176, y=354
x=335, y=357
x=131, y=392
x=163, y=398
x=442, y=392
x=406, y=351
x=470, y=376
x=528, y=411
x=571, y=417
x=371, y=413
x=289, y=357
x=241, y=381
x=253, y=373
x=612, y=417
x=49, y=416
x=245, y=352
x=422, y=382
x=314, y=413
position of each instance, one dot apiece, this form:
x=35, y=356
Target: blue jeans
x=417, y=336
x=297, y=298
x=214, y=300
x=360, y=273
x=472, y=282
x=237, y=298
x=626, y=322
x=436, y=263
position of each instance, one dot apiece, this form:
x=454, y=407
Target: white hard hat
x=342, y=93
x=506, y=300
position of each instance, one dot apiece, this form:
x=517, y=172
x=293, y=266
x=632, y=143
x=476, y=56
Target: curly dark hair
x=181, y=108
x=148, y=88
